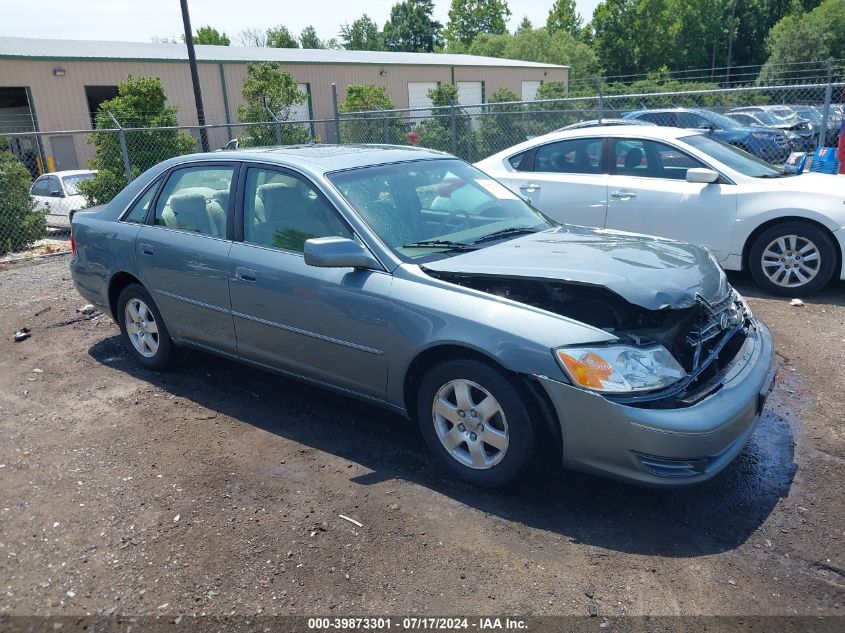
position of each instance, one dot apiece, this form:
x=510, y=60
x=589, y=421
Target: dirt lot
x=216, y=489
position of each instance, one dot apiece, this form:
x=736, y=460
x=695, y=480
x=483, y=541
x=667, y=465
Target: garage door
x=529, y=90
x=470, y=92
x=418, y=98
x=470, y=95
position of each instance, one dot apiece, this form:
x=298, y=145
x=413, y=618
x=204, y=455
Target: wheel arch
x=534, y=394
x=752, y=237
x=117, y=283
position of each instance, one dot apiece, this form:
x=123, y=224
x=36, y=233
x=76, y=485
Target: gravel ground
x=217, y=489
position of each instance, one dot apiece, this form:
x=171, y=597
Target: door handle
x=529, y=187
x=147, y=249
x=623, y=195
x=246, y=274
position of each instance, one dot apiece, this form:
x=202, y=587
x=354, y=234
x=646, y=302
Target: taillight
x=72, y=245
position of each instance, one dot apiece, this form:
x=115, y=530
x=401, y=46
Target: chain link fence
x=770, y=121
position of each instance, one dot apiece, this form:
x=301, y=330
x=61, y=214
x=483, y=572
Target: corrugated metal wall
x=60, y=101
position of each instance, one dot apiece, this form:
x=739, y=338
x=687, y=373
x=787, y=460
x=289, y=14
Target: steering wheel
x=448, y=222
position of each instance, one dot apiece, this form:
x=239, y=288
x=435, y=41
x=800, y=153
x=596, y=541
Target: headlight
x=761, y=135
x=743, y=303
x=620, y=368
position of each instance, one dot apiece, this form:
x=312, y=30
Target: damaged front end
x=704, y=337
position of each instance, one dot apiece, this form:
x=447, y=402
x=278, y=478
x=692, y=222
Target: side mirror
x=56, y=194
x=702, y=175
x=338, y=252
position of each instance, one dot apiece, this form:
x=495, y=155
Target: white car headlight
x=620, y=368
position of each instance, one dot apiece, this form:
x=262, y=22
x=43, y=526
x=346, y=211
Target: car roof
x=664, y=110
x=69, y=172
x=328, y=158
x=646, y=131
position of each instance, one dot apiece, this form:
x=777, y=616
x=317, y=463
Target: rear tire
x=476, y=422
x=142, y=328
x=792, y=259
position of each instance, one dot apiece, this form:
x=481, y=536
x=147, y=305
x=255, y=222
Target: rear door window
x=572, y=156
x=196, y=199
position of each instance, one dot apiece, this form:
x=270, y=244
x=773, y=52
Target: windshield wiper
x=504, y=233
x=780, y=174
x=455, y=246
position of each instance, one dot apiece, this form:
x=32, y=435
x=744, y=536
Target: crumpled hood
x=650, y=272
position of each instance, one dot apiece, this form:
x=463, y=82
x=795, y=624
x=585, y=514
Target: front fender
x=755, y=213
x=518, y=337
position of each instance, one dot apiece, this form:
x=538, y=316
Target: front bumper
x=667, y=447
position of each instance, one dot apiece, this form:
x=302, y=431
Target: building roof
x=36, y=48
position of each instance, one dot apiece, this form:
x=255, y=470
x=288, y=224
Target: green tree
x=525, y=25
x=539, y=45
x=364, y=127
x=279, y=36
x=308, y=38
x=210, y=35
x=754, y=21
x=268, y=89
x=503, y=125
x=640, y=36
x=564, y=16
x=469, y=18
x=805, y=37
x=412, y=28
x=20, y=223
x=362, y=35
x=140, y=103
x=436, y=131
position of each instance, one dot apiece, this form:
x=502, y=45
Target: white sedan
x=685, y=185
x=57, y=194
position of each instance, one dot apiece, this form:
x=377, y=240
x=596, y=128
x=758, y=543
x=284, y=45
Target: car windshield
x=736, y=159
x=431, y=208
x=722, y=121
x=72, y=183
x=765, y=118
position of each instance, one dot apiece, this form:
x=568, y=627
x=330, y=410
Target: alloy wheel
x=791, y=261
x=141, y=328
x=470, y=424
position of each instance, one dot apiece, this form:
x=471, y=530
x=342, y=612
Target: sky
x=141, y=20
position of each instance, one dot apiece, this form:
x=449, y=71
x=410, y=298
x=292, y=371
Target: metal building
x=57, y=85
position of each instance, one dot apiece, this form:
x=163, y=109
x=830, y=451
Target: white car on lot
x=685, y=185
x=57, y=194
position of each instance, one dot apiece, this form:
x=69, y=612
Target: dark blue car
x=769, y=144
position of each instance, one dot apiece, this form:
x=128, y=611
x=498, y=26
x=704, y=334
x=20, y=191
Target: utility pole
x=730, y=44
x=195, y=78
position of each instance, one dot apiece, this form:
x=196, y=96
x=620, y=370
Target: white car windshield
x=436, y=207
x=735, y=158
x=72, y=183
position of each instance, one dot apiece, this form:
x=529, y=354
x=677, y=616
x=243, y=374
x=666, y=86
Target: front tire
x=476, y=422
x=792, y=259
x=142, y=328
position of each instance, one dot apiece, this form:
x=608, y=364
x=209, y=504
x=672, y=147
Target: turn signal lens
x=591, y=370
x=620, y=368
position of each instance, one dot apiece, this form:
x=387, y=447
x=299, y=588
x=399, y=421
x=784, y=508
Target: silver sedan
x=409, y=279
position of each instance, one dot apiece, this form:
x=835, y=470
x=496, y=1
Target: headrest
x=633, y=158
x=187, y=202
